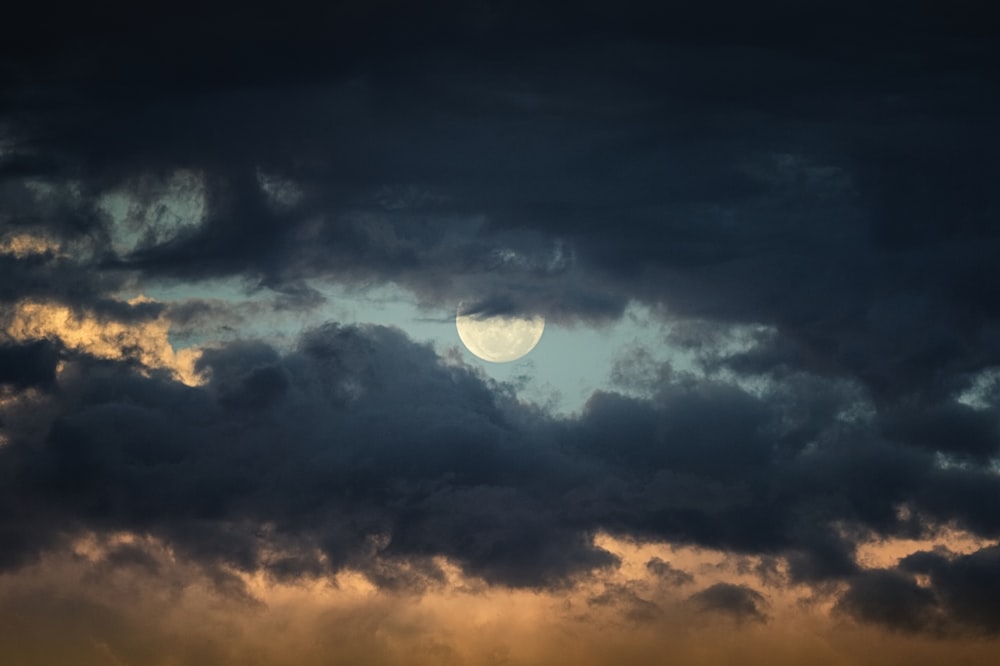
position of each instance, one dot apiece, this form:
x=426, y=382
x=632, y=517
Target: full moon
x=499, y=339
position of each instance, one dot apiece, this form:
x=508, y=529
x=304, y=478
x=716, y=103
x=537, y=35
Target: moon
x=499, y=339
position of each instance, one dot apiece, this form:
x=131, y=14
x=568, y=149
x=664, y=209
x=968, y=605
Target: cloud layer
x=808, y=205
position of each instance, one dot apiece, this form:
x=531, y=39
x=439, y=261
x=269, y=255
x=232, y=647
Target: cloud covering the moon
x=499, y=338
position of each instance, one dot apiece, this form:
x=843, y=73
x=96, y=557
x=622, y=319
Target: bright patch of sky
x=566, y=367
x=984, y=390
x=151, y=210
x=561, y=373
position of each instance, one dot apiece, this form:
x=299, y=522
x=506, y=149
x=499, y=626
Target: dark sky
x=822, y=174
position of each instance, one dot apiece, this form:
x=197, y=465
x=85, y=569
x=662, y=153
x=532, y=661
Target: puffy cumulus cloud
x=360, y=450
x=356, y=436
x=143, y=341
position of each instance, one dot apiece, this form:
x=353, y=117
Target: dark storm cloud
x=959, y=596
x=966, y=586
x=951, y=428
x=333, y=445
x=833, y=178
x=829, y=180
x=370, y=449
x=28, y=365
x=891, y=599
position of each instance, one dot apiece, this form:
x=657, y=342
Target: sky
x=762, y=425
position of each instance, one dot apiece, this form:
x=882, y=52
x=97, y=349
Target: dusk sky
x=238, y=425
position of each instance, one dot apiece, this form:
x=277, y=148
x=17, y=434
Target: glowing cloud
x=144, y=341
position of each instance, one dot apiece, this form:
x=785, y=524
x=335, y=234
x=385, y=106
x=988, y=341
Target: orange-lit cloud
x=129, y=598
x=23, y=245
x=877, y=553
x=144, y=341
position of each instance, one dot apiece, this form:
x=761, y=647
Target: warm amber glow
x=146, y=342
x=883, y=553
x=24, y=245
x=188, y=612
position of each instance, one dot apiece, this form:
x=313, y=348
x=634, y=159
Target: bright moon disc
x=499, y=339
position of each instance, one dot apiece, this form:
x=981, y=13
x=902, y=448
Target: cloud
x=965, y=585
x=808, y=221
x=893, y=600
x=29, y=365
x=668, y=573
x=145, y=342
x=633, y=607
x=741, y=603
x=576, y=185
x=25, y=245
x=359, y=448
x=357, y=435
x=934, y=591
